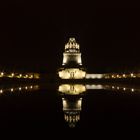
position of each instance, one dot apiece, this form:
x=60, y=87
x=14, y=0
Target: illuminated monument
x=72, y=63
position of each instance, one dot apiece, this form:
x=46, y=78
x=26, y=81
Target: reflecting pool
x=69, y=106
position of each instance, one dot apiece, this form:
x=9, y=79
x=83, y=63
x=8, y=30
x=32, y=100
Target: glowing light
x=1, y=74
x=71, y=45
x=72, y=73
x=31, y=76
x=19, y=76
x=79, y=103
x=1, y=91
x=132, y=90
x=72, y=89
x=12, y=89
x=124, y=75
x=94, y=76
x=68, y=57
x=72, y=52
x=94, y=87
x=35, y=87
x=124, y=89
x=64, y=103
x=72, y=110
x=36, y=76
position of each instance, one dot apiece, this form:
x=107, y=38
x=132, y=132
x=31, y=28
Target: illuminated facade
x=72, y=62
x=95, y=76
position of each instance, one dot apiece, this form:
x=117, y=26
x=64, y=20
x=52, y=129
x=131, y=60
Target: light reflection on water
x=76, y=89
x=72, y=102
x=72, y=89
x=14, y=89
x=72, y=108
x=72, y=95
x=121, y=88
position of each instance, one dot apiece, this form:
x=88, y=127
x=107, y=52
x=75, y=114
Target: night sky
x=33, y=34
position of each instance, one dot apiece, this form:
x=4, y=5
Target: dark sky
x=33, y=34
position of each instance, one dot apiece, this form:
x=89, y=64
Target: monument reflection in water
x=72, y=102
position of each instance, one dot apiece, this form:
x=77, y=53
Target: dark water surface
x=69, y=107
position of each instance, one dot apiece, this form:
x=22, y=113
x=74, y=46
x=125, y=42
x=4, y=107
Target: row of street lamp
x=20, y=75
x=131, y=75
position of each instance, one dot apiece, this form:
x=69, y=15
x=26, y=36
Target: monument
x=72, y=67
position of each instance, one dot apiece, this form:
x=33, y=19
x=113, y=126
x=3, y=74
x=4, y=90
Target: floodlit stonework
x=72, y=62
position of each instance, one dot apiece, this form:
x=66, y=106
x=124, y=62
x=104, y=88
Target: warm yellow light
x=72, y=89
x=124, y=75
x=12, y=74
x=19, y=76
x=31, y=76
x=132, y=90
x=72, y=73
x=1, y=74
x=79, y=103
x=94, y=87
x=1, y=91
x=12, y=89
x=19, y=88
x=94, y=76
x=36, y=76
